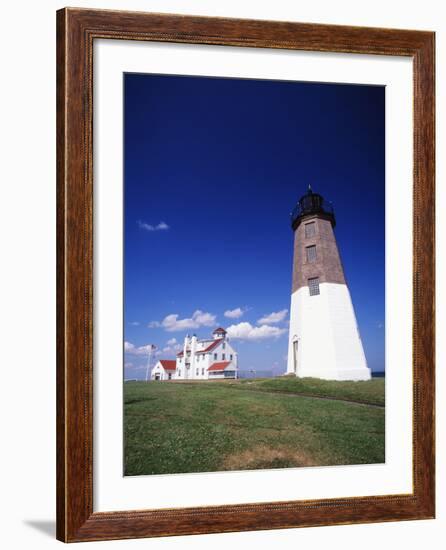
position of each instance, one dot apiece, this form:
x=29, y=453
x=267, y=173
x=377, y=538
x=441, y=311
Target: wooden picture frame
x=76, y=31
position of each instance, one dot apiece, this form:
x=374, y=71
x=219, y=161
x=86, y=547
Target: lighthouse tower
x=324, y=340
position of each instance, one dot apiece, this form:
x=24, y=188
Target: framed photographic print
x=245, y=275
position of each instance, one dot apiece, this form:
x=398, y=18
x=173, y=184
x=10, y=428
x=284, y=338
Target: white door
x=295, y=350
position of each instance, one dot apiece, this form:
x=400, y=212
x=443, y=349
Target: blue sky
x=213, y=168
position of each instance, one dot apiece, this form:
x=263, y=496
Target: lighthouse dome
x=312, y=204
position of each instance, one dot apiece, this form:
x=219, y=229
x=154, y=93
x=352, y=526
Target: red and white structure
x=324, y=340
x=164, y=369
x=209, y=359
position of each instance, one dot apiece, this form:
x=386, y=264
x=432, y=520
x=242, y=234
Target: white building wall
x=159, y=369
x=202, y=361
x=329, y=345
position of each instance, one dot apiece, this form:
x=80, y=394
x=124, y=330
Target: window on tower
x=311, y=253
x=310, y=229
x=313, y=285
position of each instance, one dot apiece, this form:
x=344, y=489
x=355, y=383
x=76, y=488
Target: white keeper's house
x=210, y=359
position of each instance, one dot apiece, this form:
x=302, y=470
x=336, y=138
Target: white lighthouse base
x=324, y=340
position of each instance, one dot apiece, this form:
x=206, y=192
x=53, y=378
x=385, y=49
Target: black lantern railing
x=309, y=204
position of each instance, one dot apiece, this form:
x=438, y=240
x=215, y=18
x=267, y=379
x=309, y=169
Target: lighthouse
x=324, y=340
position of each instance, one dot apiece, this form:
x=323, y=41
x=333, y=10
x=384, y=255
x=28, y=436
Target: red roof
x=219, y=366
x=214, y=344
x=168, y=364
x=219, y=329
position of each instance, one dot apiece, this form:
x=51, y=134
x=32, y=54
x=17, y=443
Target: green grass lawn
x=371, y=391
x=172, y=427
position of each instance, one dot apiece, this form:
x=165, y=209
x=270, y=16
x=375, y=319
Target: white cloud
x=171, y=323
x=274, y=317
x=234, y=313
x=134, y=323
x=131, y=349
x=162, y=226
x=171, y=350
x=245, y=331
x=128, y=346
x=173, y=347
x=131, y=367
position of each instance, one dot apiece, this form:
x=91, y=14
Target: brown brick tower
x=324, y=340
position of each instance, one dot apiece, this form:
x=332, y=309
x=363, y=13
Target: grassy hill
x=370, y=392
x=174, y=427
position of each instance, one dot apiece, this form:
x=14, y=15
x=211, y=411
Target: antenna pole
x=149, y=357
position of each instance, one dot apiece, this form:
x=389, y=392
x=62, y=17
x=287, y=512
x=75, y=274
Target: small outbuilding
x=164, y=369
